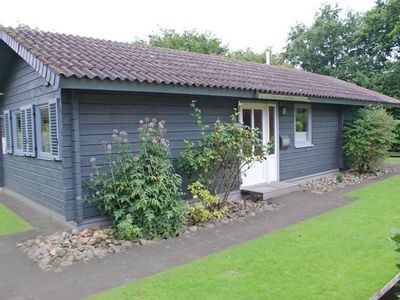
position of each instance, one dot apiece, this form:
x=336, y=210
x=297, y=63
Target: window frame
x=308, y=142
x=39, y=138
x=14, y=133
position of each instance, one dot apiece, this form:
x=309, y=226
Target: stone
x=116, y=242
x=252, y=214
x=210, y=226
x=224, y=220
x=241, y=213
x=150, y=242
x=92, y=241
x=60, y=252
x=192, y=228
x=66, y=243
x=126, y=244
x=142, y=241
x=259, y=210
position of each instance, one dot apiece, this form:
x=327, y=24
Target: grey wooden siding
x=39, y=180
x=100, y=114
x=326, y=153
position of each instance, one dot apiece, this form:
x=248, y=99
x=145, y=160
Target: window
x=17, y=132
x=43, y=131
x=47, y=130
x=302, y=117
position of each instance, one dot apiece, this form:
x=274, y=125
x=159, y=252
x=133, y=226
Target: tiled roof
x=82, y=57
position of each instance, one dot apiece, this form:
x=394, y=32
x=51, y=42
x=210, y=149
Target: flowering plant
x=141, y=192
x=220, y=156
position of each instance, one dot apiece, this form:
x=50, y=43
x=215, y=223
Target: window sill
x=45, y=157
x=303, y=146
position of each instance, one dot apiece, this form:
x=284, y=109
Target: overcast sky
x=241, y=24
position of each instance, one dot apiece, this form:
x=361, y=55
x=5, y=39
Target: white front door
x=264, y=117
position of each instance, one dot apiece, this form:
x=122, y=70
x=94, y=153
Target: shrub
x=396, y=114
x=219, y=158
x=207, y=207
x=140, y=192
x=340, y=177
x=368, y=138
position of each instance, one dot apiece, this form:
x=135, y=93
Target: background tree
x=363, y=49
x=206, y=43
x=189, y=40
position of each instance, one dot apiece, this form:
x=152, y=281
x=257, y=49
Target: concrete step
x=270, y=190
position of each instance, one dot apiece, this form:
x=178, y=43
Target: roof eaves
x=45, y=71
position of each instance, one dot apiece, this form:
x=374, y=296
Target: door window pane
x=44, y=129
x=271, y=122
x=258, y=122
x=246, y=117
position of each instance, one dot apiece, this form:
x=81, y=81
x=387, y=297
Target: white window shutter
x=7, y=131
x=28, y=130
x=54, y=129
x=23, y=131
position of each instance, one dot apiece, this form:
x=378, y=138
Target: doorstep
x=266, y=191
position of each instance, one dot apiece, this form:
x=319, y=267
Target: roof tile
x=82, y=57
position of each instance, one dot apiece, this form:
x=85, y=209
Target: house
x=61, y=95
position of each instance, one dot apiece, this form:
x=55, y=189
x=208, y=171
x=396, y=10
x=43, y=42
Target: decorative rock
x=60, y=252
x=192, y=228
x=330, y=183
x=210, y=226
x=126, y=244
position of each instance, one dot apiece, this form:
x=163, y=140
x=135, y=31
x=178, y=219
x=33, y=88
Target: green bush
x=140, y=192
x=368, y=138
x=207, y=206
x=221, y=155
x=396, y=114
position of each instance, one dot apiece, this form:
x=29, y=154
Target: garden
x=142, y=194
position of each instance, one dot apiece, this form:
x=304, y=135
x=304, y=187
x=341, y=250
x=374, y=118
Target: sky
x=240, y=24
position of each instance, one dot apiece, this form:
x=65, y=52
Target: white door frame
x=265, y=130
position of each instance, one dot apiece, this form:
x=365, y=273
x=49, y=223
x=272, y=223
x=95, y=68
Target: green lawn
x=343, y=254
x=395, y=160
x=10, y=222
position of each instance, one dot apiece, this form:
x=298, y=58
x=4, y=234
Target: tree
x=325, y=45
x=249, y=55
x=206, y=43
x=363, y=49
x=189, y=40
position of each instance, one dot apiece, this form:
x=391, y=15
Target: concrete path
x=20, y=278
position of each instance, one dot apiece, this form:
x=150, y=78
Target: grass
x=343, y=254
x=394, y=160
x=10, y=222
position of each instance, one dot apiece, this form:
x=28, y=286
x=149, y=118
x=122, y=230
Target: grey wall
x=100, y=114
x=326, y=153
x=39, y=180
